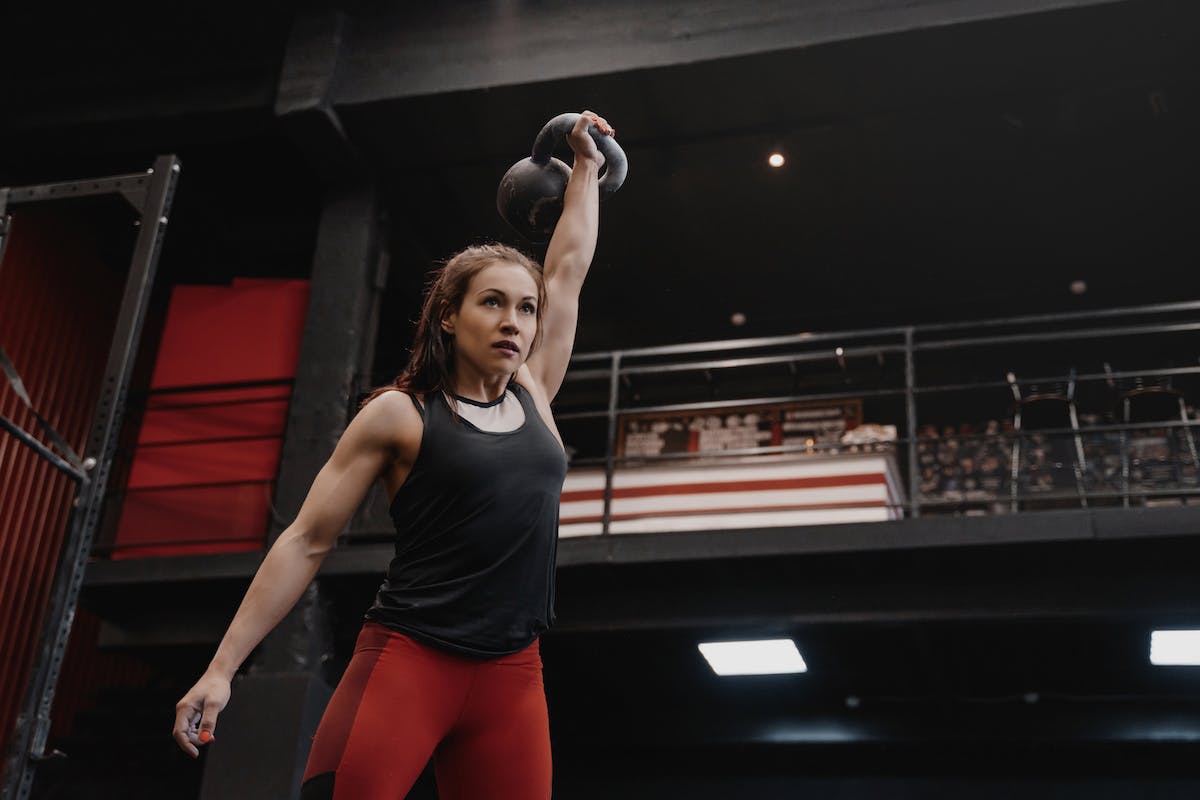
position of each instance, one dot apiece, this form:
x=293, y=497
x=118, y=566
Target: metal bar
x=45, y=452
x=731, y=403
x=215, y=440
x=1090, y=376
x=132, y=187
x=217, y=387
x=726, y=364
x=1191, y=437
x=610, y=442
x=1104, y=428
x=1161, y=308
x=773, y=341
x=33, y=724
x=217, y=403
x=739, y=344
x=5, y=220
x=1125, y=453
x=910, y=410
x=207, y=485
x=1089, y=333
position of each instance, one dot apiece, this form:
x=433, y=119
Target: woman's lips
x=507, y=348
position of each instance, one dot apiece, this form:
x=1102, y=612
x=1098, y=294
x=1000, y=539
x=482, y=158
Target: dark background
x=958, y=162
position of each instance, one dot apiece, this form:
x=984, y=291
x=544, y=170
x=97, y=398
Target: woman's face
x=495, y=326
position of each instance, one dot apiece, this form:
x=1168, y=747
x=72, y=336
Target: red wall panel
x=204, y=469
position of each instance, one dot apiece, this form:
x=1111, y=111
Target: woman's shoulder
x=393, y=400
x=393, y=415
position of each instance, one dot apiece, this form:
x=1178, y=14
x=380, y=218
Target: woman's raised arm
x=569, y=256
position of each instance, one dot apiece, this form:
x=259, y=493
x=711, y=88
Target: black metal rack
x=150, y=194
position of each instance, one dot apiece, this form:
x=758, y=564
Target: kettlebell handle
x=615, y=163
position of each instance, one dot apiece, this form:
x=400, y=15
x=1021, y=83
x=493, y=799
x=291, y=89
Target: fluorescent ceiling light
x=1175, y=648
x=762, y=657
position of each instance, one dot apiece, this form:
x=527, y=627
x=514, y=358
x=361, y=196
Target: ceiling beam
x=395, y=52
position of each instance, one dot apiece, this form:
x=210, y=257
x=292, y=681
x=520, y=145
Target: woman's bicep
x=365, y=450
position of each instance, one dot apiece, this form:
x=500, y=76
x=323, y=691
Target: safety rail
x=935, y=384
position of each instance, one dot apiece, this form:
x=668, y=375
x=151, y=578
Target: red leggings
x=400, y=702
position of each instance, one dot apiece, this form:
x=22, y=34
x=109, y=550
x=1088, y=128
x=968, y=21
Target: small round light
x=1078, y=287
x=737, y=319
x=775, y=160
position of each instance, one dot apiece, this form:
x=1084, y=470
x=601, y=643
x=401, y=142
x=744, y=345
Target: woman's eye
x=528, y=308
x=491, y=301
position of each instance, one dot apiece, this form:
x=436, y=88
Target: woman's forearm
x=574, y=241
x=289, y=567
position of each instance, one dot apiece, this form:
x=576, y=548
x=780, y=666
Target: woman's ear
x=448, y=319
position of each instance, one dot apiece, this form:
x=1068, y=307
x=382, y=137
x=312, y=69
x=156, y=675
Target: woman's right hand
x=581, y=141
x=196, y=713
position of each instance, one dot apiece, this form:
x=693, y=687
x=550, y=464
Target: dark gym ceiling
x=953, y=172
x=945, y=174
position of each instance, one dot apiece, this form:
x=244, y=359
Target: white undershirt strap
x=500, y=416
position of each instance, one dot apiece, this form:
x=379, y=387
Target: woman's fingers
x=581, y=141
x=581, y=124
x=600, y=122
x=196, y=716
x=187, y=717
x=208, y=722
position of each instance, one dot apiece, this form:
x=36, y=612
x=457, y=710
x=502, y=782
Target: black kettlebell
x=530, y=197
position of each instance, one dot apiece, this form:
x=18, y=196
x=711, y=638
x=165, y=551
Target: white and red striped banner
x=748, y=494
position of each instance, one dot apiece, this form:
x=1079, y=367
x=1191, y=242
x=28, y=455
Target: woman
x=447, y=663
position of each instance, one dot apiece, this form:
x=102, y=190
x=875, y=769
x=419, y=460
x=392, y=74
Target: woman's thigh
x=500, y=748
x=393, y=705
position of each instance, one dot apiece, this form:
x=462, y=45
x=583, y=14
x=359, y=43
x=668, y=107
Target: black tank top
x=476, y=535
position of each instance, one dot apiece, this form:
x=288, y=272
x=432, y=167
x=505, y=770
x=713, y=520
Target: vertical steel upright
x=910, y=414
x=610, y=440
x=151, y=195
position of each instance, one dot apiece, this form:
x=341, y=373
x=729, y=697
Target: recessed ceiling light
x=759, y=657
x=1175, y=648
x=775, y=160
x=737, y=319
x=1078, y=287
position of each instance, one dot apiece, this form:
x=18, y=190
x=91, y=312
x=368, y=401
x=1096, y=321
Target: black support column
x=265, y=733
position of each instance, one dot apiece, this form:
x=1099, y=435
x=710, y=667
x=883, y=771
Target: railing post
x=610, y=446
x=910, y=401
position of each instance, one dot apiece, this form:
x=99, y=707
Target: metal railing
x=921, y=379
